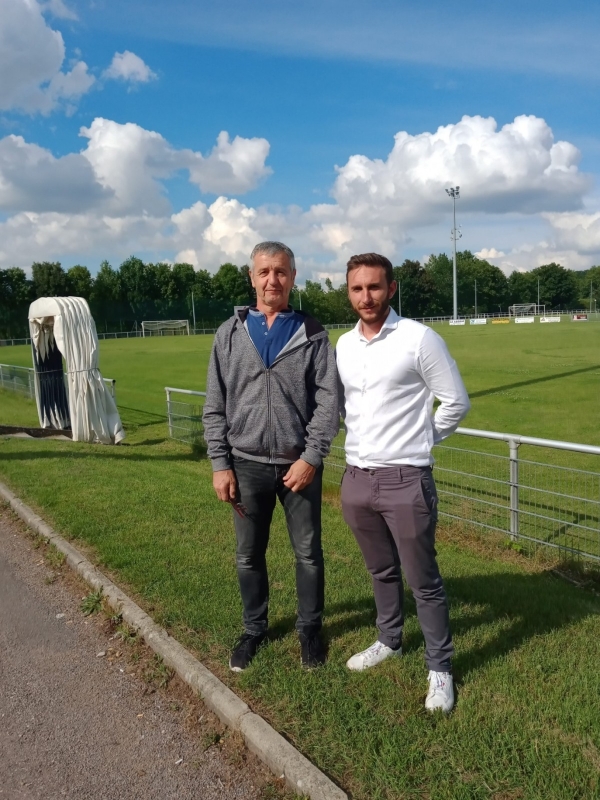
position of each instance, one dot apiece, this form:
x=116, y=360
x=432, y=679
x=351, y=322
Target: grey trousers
x=392, y=513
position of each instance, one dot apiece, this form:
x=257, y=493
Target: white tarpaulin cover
x=67, y=322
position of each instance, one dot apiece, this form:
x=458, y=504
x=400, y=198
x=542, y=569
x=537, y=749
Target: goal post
x=526, y=310
x=165, y=327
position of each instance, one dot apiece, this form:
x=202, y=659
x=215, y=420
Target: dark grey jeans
x=259, y=486
x=393, y=513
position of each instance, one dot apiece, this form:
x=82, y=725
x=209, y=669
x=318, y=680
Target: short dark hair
x=371, y=260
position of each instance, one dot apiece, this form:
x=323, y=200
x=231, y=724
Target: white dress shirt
x=390, y=383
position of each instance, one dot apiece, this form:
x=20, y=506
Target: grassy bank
x=526, y=720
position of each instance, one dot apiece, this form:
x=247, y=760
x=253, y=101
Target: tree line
x=121, y=298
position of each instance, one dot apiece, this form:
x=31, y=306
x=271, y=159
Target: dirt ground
x=87, y=712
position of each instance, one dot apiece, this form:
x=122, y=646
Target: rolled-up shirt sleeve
x=440, y=373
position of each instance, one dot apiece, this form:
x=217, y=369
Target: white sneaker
x=372, y=656
x=441, y=692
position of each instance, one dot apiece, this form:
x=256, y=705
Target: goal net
x=165, y=327
x=526, y=310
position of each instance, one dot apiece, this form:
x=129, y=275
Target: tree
x=16, y=293
x=232, y=285
x=439, y=269
x=106, y=299
x=492, y=284
x=417, y=289
x=49, y=279
x=558, y=286
x=79, y=282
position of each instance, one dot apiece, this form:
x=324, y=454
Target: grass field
x=526, y=724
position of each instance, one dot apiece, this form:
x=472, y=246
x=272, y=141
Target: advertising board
x=457, y=322
x=478, y=321
x=580, y=317
x=549, y=319
x=524, y=319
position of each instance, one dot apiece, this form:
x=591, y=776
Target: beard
x=374, y=313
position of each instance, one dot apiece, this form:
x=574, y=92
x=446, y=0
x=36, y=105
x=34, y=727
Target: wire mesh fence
x=549, y=500
x=17, y=379
x=185, y=416
x=22, y=381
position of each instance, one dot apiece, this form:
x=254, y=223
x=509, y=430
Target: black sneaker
x=244, y=650
x=313, y=650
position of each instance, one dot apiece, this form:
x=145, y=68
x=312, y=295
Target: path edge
x=282, y=758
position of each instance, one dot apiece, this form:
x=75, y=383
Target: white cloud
x=59, y=10
x=111, y=199
x=128, y=67
x=32, y=179
x=31, y=58
x=489, y=253
x=232, y=166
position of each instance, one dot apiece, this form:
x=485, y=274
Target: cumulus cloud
x=31, y=60
x=119, y=172
x=232, y=166
x=509, y=176
x=128, y=67
x=31, y=178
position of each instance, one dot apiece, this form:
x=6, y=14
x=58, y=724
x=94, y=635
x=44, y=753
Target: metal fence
x=22, y=380
x=551, y=499
x=185, y=417
x=592, y=316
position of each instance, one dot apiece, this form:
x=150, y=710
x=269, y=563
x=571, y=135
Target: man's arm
x=325, y=422
x=214, y=420
x=441, y=376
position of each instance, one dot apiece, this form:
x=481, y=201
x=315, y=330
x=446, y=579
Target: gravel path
x=76, y=720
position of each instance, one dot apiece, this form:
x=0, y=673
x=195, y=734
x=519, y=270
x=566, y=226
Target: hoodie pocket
x=248, y=431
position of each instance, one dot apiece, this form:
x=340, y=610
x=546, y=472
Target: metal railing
x=22, y=380
x=535, y=502
x=184, y=418
x=440, y=320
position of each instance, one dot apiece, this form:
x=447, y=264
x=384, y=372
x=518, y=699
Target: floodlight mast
x=453, y=192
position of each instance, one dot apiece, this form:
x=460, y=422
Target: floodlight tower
x=456, y=234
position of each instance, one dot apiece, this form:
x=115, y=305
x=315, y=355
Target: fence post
x=169, y=413
x=513, y=445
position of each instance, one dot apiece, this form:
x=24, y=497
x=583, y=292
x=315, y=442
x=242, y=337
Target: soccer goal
x=166, y=327
x=526, y=310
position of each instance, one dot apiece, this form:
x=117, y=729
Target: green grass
x=526, y=721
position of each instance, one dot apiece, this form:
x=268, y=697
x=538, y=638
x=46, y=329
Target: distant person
x=391, y=369
x=271, y=412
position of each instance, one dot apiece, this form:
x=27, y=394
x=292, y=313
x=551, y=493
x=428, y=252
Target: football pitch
x=534, y=380
x=527, y=643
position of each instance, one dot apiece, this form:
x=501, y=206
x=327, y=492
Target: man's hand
x=225, y=484
x=299, y=475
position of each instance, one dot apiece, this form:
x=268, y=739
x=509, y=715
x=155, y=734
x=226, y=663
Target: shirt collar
x=391, y=321
x=256, y=313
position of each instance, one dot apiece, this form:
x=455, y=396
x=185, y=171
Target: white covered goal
x=526, y=310
x=166, y=327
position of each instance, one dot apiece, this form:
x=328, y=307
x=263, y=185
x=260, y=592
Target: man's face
x=369, y=293
x=273, y=280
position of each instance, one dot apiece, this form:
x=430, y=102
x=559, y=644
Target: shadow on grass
x=556, y=376
x=526, y=605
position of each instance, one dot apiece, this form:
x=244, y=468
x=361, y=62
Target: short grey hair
x=272, y=249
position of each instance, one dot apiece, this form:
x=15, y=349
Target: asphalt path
x=76, y=720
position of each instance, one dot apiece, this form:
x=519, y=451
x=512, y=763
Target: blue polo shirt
x=270, y=341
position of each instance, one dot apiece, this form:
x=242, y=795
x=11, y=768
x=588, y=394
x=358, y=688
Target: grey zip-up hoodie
x=274, y=415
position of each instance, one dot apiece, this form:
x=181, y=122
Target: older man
x=391, y=370
x=270, y=415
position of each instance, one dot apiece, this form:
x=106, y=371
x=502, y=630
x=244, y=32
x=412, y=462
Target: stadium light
x=453, y=192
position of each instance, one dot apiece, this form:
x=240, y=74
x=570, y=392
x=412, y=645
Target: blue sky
x=316, y=93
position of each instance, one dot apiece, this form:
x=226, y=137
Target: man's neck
x=370, y=329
